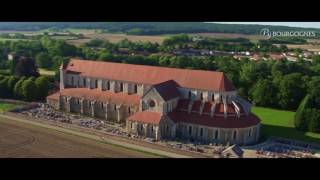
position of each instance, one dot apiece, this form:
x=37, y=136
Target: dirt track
x=19, y=140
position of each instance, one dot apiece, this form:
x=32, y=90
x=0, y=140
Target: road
x=23, y=140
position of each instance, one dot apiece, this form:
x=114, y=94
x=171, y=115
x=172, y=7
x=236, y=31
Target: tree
x=291, y=91
x=307, y=117
x=314, y=88
x=43, y=85
x=29, y=90
x=43, y=60
x=12, y=64
x=26, y=67
x=263, y=93
x=4, y=89
x=11, y=83
x=17, y=90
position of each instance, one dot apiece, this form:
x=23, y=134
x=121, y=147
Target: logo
x=268, y=34
x=265, y=32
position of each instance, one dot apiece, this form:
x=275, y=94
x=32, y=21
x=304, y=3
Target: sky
x=292, y=24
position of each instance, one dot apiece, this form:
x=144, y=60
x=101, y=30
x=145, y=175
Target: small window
x=84, y=82
x=189, y=95
x=72, y=80
x=167, y=128
x=96, y=83
x=190, y=130
x=129, y=109
x=66, y=99
x=115, y=107
x=235, y=135
x=152, y=129
x=131, y=125
x=212, y=97
x=201, y=132
x=249, y=132
x=108, y=85
x=135, y=88
x=201, y=96
x=102, y=105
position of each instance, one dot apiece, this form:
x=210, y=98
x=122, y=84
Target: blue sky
x=292, y=24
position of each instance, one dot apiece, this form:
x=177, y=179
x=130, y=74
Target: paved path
x=98, y=138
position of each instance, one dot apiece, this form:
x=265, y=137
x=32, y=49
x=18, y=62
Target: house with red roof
x=158, y=102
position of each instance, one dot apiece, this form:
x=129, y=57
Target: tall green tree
x=29, y=90
x=17, y=90
x=43, y=86
x=26, y=67
x=43, y=60
x=291, y=91
x=263, y=93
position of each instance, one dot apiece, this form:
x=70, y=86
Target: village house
x=158, y=102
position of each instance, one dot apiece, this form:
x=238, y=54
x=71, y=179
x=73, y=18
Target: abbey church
x=158, y=102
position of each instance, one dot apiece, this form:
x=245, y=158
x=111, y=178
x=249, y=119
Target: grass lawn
x=281, y=123
x=6, y=106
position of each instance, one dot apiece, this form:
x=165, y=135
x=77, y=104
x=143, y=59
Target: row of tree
x=27, y=89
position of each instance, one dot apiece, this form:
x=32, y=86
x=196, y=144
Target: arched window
x=234, y=134
x=189, y=95
x=108, y=85
x=121, y=86
x=84, y=82
x=135, y=88
x=216, y=134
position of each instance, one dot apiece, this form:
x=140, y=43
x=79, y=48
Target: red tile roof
x=219, y=108
x=146, y=117
x=196, y=106
x=102, y=96
x=183, y=104
x=205, y=120
x=167, y=90
x=54, y=96
x=195, y=79
x=207, y=107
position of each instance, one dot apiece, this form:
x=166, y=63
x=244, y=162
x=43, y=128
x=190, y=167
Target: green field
x=281, y=123
x=9, y=39
x=43, y=71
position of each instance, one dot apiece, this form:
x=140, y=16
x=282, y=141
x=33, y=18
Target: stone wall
x=102, y=110
x=240, y=136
